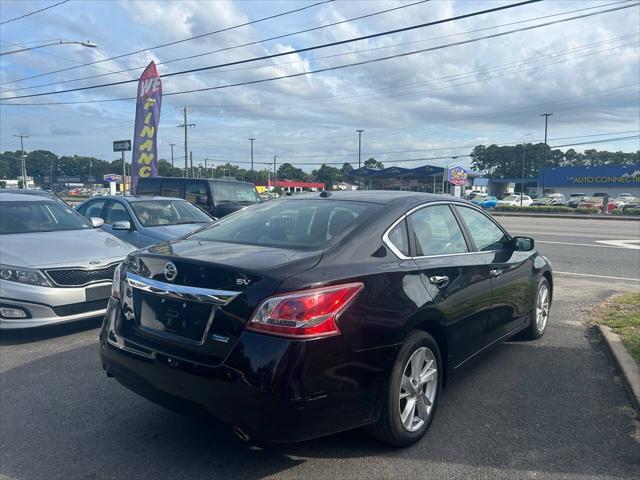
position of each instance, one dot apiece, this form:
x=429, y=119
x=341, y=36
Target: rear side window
x=303, y=224
x=92, y=209
x=436, y=231
x=171, y=188
x=485, y=233
x=148, y=187
x=398, y=237
x=196, y=193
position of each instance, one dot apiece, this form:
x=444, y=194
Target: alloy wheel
x=542, y=308
x=418, y=389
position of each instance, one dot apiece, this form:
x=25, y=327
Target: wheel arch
x=432, y=322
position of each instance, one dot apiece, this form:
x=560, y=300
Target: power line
x=256, y=42
x=364, y=62
x=226, y=29
x=301, y=50
x=34, y=12
x=448, y=157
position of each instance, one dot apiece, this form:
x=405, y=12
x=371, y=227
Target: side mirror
x=523, y=244
x=123, y=225
x=97, y=222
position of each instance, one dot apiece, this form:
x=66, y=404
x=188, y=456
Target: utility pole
x=359, y=147
x=205, y=168
x=191, y=159
x=251, y=140
x=524, y=152
x=172, y=145
x=544, y=161
x=275, y=173
x=23, y=163
x=124, y=175
x=186, y=125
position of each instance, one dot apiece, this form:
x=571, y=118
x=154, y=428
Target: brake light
x=307, y=314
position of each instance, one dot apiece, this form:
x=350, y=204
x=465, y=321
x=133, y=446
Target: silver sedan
x=55, y=265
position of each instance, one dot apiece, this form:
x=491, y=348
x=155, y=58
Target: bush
x=632, y=211
x=505, y=208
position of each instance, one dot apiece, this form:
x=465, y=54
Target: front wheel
x=412, y=393
x=540, y=314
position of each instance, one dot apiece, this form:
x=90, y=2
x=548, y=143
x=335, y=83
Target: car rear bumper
x=47, y=305
x=267, y=385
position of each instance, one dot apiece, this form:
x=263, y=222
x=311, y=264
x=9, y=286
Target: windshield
x=235, y=192
x=36, y=216
x=155, y=213
x=304, y=224
x=511, y=198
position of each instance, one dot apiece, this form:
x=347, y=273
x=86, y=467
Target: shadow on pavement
x=29, y=335
x=526, y=407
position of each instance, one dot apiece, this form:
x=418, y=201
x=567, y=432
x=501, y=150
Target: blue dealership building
x=610, y=179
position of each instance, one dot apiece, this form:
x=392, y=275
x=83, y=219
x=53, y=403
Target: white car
x=514, y=201
x=55, y=265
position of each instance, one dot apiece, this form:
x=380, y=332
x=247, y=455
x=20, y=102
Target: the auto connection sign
x=144, y=162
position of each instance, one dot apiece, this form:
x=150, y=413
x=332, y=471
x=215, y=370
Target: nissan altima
x=301, y=317
x=55, y=265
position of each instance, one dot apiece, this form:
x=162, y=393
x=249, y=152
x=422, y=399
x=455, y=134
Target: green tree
x=326, y=174
x=344, y=172
x=289, y=172
x=373, y=163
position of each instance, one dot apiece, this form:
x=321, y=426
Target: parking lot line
x=598, y=276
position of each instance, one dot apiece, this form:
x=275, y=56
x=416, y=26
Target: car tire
x=540, y=312
x=404, y=388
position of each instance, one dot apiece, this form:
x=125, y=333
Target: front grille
x=84, y=307
x=78, y=277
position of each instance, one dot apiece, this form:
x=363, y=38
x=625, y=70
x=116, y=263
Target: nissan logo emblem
x=170, y=271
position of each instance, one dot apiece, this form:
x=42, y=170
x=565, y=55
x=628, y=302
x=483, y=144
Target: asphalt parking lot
x=548, y=409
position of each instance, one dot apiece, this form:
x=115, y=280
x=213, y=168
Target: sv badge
x=242, y=281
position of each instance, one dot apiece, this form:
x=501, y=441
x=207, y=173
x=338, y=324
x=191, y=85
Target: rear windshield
x=45, y=216
x=298, y=224
x=235, y=192
x=155, y=213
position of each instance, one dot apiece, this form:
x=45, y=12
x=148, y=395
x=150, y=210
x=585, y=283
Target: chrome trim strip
x=401, y=256
x=181, y=292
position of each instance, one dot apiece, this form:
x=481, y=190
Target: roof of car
x=379, y=196
x=182, y=179
x=140, y=198
x=24, y=197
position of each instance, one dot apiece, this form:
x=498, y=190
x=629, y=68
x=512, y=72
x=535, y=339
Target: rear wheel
x=540, y=314
x=412, y=392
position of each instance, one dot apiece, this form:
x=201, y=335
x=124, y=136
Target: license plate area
x=171, y=317
x=97, y=293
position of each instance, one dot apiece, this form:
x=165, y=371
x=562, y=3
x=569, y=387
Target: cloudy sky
x=421, y=108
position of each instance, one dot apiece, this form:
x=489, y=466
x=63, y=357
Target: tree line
x=499, y=161
x=507, y=161
x=43, y=163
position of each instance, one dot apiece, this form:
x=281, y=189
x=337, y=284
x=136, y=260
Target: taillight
x=307, y=314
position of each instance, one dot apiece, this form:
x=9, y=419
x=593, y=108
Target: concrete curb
x=625, y=363
x=565, y=215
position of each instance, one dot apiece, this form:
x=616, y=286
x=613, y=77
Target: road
x=554, y=408
x=604, y=248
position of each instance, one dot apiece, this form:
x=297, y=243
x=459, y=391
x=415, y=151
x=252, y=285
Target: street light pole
x=23, y=163
x=359, y=147
x=251, y=140
x=544, y=161
x=59, y=42
x=524, y=152
x=172, y=145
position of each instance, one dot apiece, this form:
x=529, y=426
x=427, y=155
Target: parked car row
x=624, y=201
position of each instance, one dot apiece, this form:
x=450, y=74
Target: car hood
x=169, y=232
x=64, y=248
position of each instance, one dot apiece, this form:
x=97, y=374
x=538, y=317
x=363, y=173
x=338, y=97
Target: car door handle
x=439, y=280
x=495, y=273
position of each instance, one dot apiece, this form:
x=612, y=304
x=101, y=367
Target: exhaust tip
x=240, y=434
